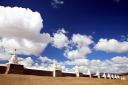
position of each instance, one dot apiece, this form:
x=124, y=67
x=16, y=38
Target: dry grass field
x=12, y=79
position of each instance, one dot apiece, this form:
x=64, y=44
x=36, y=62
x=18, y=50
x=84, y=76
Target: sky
x=90, y=34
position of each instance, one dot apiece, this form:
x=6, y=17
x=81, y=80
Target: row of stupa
x=14, y=60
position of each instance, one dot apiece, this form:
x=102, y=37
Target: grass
x=13, y=79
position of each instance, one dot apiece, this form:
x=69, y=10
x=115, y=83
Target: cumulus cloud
x=20, y=29
x=60, y=40
x=78, y=62
x=118, y=64
x=84, y=65
x=81, y=43
x=56, y=3
x=120, y=60
x=82, y=40
x=4, y=57
x=27, y=62
x=20, y=22
x=23, y=46
x=46, y=63
x=45, y=59
x=78, y=53
x=112, y=45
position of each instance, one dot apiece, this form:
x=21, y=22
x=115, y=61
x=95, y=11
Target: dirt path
x=39, y=80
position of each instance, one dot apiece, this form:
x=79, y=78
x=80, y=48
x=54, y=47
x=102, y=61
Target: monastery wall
x=37, y=72
x=2, y=69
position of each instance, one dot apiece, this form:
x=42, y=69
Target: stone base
x=14, y=69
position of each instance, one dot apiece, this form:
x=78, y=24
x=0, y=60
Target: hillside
x=12, y=79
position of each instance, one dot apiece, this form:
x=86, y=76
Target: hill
x=12, y=79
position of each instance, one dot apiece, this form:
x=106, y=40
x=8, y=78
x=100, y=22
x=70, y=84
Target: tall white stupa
x=109, y=76
x=54, y=70
x=13, y=59
x=14, y=67
x=89, y=73
x=98, y=74
x=77, y=72
x=104, y=75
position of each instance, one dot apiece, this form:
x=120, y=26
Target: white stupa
x=115, y=76
x=104, y=75
x=108, y=76
x=13, y=59
x=112, y=76
x=54, y=70
x=98, y=74
x=77, y=71
x=89, y=73
x=118, y=77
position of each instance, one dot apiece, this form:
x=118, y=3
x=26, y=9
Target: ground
x=12, y=79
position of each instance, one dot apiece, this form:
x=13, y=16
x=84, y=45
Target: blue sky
x=100, y=19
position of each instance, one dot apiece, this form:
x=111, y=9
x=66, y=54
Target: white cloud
x=60, y=40
x=81, y=40
x=27, y=62
x=23, y=46
x=45, y=59
x=47, y=63
x=4, y=57
x=85, y=65
x=20, y=29
x=118, y=64
x=78, y=62
x=112, y=45
x=20, y=22
x=96, y=62
x=81, y=43
x=78, y=53
x=120, y=60
x=56, y=3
